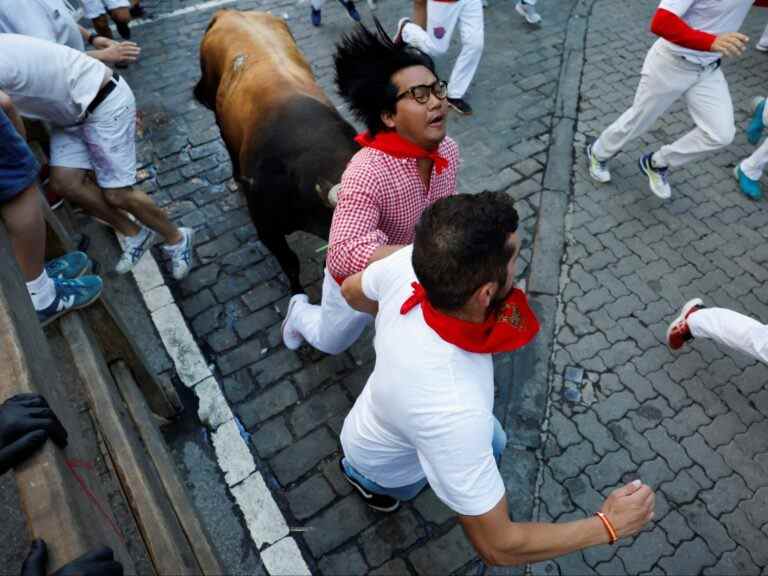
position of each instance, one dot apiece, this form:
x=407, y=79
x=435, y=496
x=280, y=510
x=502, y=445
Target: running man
x=683, y=63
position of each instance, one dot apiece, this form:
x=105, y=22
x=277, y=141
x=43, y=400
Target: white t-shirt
x=46, y=19
x=427, y=408
x=710, y=16
x=48, y=81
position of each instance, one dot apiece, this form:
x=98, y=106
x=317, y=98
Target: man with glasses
x=406, y=163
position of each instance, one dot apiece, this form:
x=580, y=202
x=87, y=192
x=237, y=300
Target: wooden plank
x=158, y=453
x=163, y=536
x=56, y=506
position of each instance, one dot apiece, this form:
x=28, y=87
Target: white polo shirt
x=48, y=81
x=46, y=19
x=427, y=408
x=710, y=16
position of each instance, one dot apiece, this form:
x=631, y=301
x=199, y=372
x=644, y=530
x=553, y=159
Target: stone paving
x=690, y=425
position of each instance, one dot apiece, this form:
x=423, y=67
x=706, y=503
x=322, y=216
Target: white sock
x=42, y=291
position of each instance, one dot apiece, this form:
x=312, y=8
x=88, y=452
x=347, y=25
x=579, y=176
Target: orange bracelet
x=612, y=535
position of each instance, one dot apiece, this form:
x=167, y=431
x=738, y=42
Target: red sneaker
x=678, y=332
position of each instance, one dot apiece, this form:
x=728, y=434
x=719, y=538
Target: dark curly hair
x=461, y=243
x=365, y=62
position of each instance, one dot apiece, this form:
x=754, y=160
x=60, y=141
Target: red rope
x=72, y=464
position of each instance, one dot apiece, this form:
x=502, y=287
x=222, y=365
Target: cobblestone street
x=607, y=267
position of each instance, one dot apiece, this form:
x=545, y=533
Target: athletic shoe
x=380, y=502
x=315, y=16
x=181, y=256
x=750, y=188
x=124, y=30
x=137, y=11
x=598, y=169
x=71, y=295
x=69, y=266
x=351, y=10
x=399, y=34
x=461, y=106
x=371, y=4
x=761, y=47
x=755, y=127
x=657, y=177
x=292, y=338
x=528, y=12
x=134, y=249
x=678, y=332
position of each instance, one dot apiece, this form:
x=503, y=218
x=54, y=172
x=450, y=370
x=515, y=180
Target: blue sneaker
x=750, y=188
x=351, y=10
x=658, y=180
x=69, y=266
x=315, y=16
x=71, y=295
x=755, y=127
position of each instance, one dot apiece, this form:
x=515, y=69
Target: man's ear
x=388, y=118
x=483, y=296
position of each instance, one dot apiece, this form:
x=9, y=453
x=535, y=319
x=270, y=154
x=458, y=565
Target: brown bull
x=287, y=143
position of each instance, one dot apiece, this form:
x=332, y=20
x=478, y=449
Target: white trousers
x=334, y=325
x=664, y=79
x=754, y=166
x=442, y=18
x=732, y=329
x=764, y=38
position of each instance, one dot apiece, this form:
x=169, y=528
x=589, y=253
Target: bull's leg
x=275, y=240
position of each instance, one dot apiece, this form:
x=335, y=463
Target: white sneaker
x=528, y=12
x=134, y=248
x=598, y=169
x=372, y=4
x=657, y=177
x=761, y=47
x=292, y=338
x=182, y=254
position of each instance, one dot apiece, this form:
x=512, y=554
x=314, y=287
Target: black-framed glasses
x=421, y=92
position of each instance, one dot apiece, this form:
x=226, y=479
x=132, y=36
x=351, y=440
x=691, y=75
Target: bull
x=287, y=143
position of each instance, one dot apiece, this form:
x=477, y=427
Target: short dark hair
x=461, y=243
x=365, y=63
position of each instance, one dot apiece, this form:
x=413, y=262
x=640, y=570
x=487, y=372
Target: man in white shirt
x=92, y=114
x=683, y=63
x=443, y=306
x=52, y=20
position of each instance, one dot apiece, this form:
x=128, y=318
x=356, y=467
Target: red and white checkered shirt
x=380, y=200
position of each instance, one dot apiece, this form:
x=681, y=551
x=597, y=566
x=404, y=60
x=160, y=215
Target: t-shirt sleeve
x=387, y=274
x=678, y=7
x=457, y=457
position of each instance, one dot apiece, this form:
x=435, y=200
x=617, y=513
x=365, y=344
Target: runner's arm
x=352, y=290
x=672, y=28
x=501, y=542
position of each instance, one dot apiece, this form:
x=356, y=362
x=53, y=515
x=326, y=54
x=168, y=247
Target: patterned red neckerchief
x=511, y=328
x=390, y=142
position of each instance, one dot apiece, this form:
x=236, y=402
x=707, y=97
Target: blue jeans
x=405, y=493
x=18, y=166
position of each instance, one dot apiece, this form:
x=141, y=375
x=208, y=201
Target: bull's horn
x=333, y=194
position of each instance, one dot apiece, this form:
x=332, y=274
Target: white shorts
x=95, y=8
x=104, y=142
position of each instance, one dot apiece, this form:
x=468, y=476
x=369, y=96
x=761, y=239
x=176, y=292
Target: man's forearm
x=383, y=251
x=544, y=541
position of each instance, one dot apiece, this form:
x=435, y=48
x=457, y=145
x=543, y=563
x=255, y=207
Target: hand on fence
x=97, y=562
x=26, y=422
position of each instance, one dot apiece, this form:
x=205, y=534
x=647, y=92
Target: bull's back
x=256, y=66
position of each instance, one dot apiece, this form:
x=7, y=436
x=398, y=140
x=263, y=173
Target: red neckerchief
x=512, y=328
x=390, y=142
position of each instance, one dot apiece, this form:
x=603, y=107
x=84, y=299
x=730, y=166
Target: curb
x=266, y=524
x=529, y=369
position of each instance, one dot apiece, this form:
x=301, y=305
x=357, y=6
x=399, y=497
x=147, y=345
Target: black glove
x=26, y=421
x=97, y=562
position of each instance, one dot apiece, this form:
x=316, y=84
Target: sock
x=656, y=163
x=42, y=291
